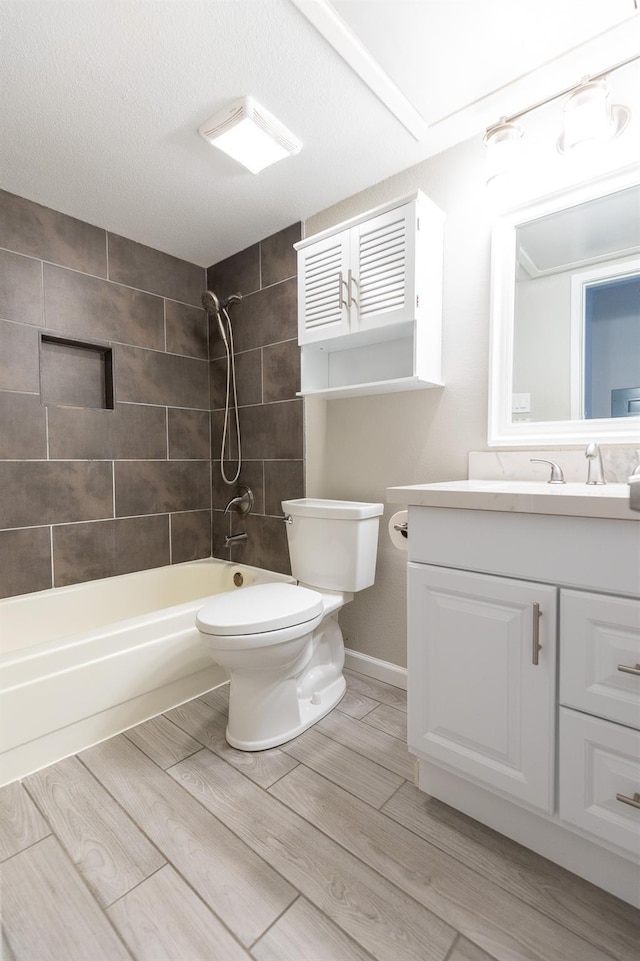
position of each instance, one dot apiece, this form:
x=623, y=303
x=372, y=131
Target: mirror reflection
x=576, y=335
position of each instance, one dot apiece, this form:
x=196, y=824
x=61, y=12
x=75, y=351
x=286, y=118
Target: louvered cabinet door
x=383, y=284
x=323, y=270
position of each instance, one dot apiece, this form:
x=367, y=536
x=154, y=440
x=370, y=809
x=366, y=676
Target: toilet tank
x=333, y=544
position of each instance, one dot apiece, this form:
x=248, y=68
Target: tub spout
x=231, y=539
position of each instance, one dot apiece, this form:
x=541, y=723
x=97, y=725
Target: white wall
x=356, y=448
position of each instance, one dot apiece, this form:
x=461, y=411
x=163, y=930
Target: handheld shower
x=213, y=305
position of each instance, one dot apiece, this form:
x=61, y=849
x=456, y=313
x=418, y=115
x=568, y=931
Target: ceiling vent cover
x=250, y=134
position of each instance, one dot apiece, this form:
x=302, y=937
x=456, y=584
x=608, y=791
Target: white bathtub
x=79, y=664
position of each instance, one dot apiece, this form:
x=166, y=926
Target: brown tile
x=278, y=259
x=187, y=330
x=54, y=492
x=221, y=525
x=190, y=536
x=19, y=364
x=266, y=545
x=20, y=288
x=251, y=475
x=231, y=445
x=88, y=307
x=238, y=274
x=25, y=561
x=77, y=376
x=23, y=433
x=85, y=552
x=272, y=431
x=148, y=269
x=248, y=379
x=281, y=371
x=158, y=487
x=152, y=377
x=189, y=437
x=131, y=431
x=283, y=480
x=28, y=228
x=266, y=317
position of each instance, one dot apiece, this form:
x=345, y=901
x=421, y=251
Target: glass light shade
x=504, y=147
x=251, y=146
x=587, y=115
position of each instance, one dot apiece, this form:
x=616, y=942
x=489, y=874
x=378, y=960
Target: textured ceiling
x=101, y=101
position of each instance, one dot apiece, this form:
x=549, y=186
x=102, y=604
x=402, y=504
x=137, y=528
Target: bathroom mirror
x=565, y=318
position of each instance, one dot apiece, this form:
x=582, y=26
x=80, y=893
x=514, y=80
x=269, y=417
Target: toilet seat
x=260, y=615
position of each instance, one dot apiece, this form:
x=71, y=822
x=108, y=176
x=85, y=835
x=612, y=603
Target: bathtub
x=80, y=664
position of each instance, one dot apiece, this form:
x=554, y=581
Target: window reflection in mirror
x=576, y=336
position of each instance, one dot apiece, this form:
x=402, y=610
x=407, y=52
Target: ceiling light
x=503, y=142
x=250, y=134
x=588, y=115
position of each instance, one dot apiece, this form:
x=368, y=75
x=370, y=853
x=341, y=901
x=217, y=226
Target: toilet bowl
x=281, y=643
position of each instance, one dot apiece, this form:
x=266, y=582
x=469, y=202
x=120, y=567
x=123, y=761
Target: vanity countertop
x=524, y=497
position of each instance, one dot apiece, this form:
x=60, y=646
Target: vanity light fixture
x=588, y=118
x=250, y=134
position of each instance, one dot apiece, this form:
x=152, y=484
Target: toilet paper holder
x=403, y=528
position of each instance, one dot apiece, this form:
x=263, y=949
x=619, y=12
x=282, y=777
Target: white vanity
x=524, y=665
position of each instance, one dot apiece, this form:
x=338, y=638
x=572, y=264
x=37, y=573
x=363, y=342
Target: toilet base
x=309, y=713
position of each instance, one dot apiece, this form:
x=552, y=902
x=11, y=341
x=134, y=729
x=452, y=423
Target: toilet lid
x=259, y=608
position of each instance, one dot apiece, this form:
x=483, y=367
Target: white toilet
x=281, y=642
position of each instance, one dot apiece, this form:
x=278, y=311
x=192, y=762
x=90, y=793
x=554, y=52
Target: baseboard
x=374, y=667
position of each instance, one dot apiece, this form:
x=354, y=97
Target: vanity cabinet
x=370, y=301
x=547, y=753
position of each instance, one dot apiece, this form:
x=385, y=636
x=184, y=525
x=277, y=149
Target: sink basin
x=529, y=497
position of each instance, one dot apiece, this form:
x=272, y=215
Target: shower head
x=210, y=302
x=212, y=306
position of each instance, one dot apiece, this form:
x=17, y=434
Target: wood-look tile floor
x=165, y=844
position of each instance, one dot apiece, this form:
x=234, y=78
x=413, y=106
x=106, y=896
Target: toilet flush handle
x=287, y=518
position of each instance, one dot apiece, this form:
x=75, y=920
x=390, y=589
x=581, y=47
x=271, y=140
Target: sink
x=529, y=497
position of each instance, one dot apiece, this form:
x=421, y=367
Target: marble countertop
x=528, y=497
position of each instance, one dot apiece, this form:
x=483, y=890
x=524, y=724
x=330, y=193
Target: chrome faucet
x=595, y=474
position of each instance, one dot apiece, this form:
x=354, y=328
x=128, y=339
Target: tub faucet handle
x=242, y=503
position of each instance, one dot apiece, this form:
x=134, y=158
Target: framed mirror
x=565, y=318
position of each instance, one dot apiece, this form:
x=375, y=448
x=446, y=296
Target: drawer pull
x=627, y=669
x=535, y=652
x=633, y=801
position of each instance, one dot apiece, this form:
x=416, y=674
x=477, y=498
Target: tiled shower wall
x=88, y=493
x=271, y=418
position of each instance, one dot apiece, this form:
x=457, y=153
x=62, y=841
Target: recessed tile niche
x=76, y=374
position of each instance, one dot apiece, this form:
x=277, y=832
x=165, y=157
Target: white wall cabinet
x=481, y=678
x=555, y=769
x=370, y=301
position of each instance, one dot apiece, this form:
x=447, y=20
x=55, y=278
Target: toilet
x=281, y=642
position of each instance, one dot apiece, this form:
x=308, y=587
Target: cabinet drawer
x=600, y=761
x=599, y=636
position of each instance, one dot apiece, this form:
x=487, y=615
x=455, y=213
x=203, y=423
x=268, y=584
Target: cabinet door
x=479, y=705
x=323, y=310
x=600, y=655
x=383, y=281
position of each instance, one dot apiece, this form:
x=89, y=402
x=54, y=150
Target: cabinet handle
x=352, y=283
x=341, y=301
x=633, y=801
x=627, y=669
x=535, y=652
